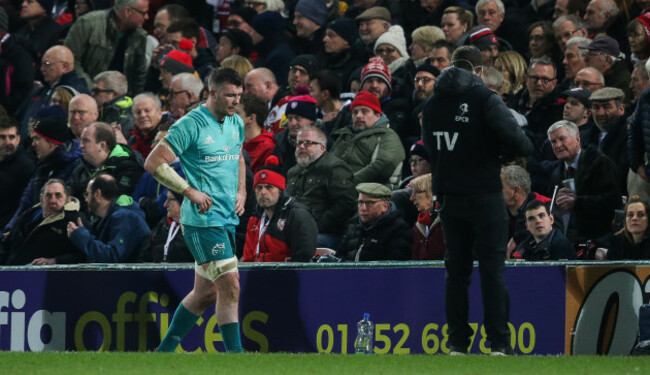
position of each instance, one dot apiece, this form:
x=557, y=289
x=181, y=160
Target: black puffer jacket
x=387, y=238
x=542, y=115
x=468, y=132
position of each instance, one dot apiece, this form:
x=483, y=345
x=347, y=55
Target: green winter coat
x=374, y=154
x=93, y=39
x=326, y=187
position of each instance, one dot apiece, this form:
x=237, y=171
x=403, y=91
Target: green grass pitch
x=94, y=363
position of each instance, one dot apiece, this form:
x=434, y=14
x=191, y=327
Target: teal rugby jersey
x=209, y=153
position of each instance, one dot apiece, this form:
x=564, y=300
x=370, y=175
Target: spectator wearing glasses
x=324, y=183
x=604, y=54
x=300, y=112
x=184, y=94
x=301, y=69
x=378, y=231
x=57, y=67
x=573, y=60
x=538, y=101
x=115, y=107
x=112, y=39
x=589, y=78
x=567, y=27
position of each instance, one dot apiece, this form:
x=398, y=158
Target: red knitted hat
x=176, y=61
x=376, y=68
x=270, y=173
x=368, y=99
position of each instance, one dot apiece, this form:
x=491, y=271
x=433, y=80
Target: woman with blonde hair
x=239, y=63
x=456, y=22
x=62, y=96
x=513, y=67
x=428, y=242
x=423, y=38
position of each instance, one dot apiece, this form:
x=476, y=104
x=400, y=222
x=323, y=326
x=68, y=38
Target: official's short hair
x=328, y=80
x=8, y=122
x=150, y=95
x=187, y=27
x=542, y=61
x=515, y=175
x=104, y=133
x=500, y=7
x=320, y=135
x=577, y=22
x=253, y=104
x=105, y=183
x=580, y=42
x=189, y=82
x=113, y=80
x=642, y=64
x=467, y=57
x=51, y=181
x=118, y=5
x=465, y=17
x=571, y=127
x=176, y=12
x=492, y=78
x=442, y=43
x=535, y=204
x=221, y=76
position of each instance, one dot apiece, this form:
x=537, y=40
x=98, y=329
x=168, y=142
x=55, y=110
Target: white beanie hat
x=395, y=37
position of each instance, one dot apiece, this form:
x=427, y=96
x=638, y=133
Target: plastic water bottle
x=365, y=341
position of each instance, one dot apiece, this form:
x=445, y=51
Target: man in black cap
x=425, y=78
x=378, y=232
x=56, y=159
x=577, y=108
x=484, y=39
x=301, y=69
x=604, y=54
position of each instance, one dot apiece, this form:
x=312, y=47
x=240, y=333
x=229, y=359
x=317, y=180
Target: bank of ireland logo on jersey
x=463, y=110
x=208, y=140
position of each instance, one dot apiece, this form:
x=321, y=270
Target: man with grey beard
x=324, y=183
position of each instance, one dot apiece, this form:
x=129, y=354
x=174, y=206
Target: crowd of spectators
x=333, y=98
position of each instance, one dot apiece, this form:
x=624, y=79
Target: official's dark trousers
x=475, y=227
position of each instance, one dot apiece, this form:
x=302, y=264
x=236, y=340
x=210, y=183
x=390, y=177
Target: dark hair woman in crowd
x=633, y=241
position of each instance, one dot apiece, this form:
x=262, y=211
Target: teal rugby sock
x=182, y=322
x=231, y=337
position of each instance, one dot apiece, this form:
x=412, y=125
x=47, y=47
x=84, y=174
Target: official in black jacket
x=468, y=132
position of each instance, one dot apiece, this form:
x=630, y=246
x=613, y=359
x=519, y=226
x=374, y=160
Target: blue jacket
x=59, y=164
x=118, y=237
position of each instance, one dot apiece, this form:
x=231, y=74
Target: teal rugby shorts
x=211, y=243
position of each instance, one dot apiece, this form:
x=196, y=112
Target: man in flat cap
x=378, y=232
x=604, y=54
x=610, y=133
x=372, y=23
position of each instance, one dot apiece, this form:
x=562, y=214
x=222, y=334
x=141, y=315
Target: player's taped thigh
x=216, y=268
